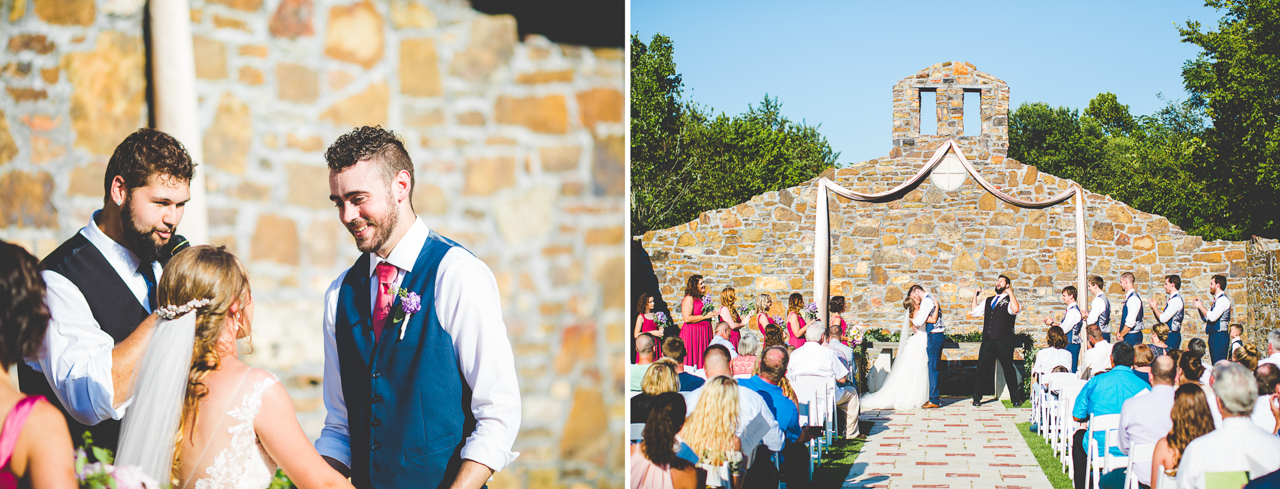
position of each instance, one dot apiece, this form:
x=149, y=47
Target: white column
x=173, y=71
x=1082, y=288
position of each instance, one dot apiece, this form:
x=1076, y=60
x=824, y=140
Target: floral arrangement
x=708, y=304
x=881, y=334
x=745, y=310
x=662, y=319
x=810, y=311
x=971, y=337
x=103, y=475
x=778, y=321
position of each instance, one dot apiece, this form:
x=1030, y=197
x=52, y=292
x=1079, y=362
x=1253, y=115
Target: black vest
x=114, y=307
x=997, y=323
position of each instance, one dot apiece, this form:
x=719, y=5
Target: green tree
x=1236, y=79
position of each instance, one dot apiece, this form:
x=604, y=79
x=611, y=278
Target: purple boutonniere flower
x=411, y=303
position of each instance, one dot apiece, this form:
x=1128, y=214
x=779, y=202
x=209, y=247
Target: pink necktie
x=386, y=275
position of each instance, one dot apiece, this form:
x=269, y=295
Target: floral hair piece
x=172, y=311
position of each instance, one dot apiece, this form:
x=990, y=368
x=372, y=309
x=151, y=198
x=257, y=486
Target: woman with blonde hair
x=659, y=378
x=729, y=314
x=1247, y=355
x=711, y=430
x=1159, y=334
x=795, y=321
x=761, y=318
x=1191, y=419
x=227, y=424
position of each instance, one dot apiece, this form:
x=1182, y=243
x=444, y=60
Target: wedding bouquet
x=708, y=304
x=103, y=475
x=745, y=310
x=811, y=311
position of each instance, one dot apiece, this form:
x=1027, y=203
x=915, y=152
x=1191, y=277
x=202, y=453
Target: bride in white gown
x=907, y=386
x=199, y=416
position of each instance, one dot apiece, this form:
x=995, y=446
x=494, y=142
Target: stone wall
x=519, y=153
x=1264, y=291
x=950, y=242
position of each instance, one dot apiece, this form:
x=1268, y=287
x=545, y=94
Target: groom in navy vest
x=419, y=381
x=999, y=313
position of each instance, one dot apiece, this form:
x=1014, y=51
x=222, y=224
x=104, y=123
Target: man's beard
x=140, y=241
x=1000, y=290
x=382, y=232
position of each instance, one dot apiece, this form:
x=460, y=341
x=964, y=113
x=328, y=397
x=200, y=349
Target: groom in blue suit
x=929, y=315
x=419, y=381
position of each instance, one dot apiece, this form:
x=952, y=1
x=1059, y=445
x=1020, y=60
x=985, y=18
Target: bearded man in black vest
x=101, y=287
x=999, y=313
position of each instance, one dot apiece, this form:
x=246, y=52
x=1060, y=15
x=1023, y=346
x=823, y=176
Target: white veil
x=905, y=332
x=148, y=428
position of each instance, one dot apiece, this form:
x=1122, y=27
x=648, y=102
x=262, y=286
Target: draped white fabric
x=148, y=428
x=822, y=233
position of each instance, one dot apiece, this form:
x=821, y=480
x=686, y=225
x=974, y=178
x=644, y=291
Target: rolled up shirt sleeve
x=76, y=356
x=335, y=438
x=468, y=307
x=922, y=314
x=1095, y=310
x=1220, y=305
x=1171, y=308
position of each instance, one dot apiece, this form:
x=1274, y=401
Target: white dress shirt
x=76, y=356
x=844, y=352
x=1048, y=358
x=1134, y=304
x=815, y=360
x=1221, y=303
x=1096, y=359
x=467, y=305
x=1274, y=359
x=1070, y=320
x=1172, y=307
x=927, y=305
x=1096, y=308
x=750, y=405
x=1237, y=445
x=1262, y=415
x=1145, y=419
x=733, y=352
x=980, y=310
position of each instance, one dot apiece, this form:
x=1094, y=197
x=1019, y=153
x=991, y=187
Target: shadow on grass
x=1049, y=463
x=836, y=464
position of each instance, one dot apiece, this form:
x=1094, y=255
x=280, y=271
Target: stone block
x=367, y=108
x=963, y=262
x=493, y=41
x=785, y=214
x=1030, y=266
x=1119, y=214
x=227, y=141
x=8, y=149
x=251, y=76
x=560, y=158
x=600, y=105
x=1190, y=244
x=484, y=176
x=308, y=185
x=324, y=237
x=547, y=115
x=31, y=42
x=608, y=173
x=1144, y=243
x=28, y=200
x=543, y=77
x=26, y=94
x=429, y=199
x=423, y=118
x=275, y=239
x=292, y=19
x=921, y=225
x=211, y=58
x=297, y=83
x=1103, y=231
x=582, y=440
x=108, y=88
x=769, y=282
x=406, y=14
x=354, y=34
x=420, y=68
x=64, y=12
x=1001, y=219
x=994, y=252
x=309, y=143
x=245, y=5
x=221, y=22
x=753, y=235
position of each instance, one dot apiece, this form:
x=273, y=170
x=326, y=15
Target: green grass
x=1009, y=404
x=1049, y=463
x=836, y=462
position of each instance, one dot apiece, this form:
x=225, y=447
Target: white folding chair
x=1163, y=481
x=1138, y=454
x=805, y=415
x=1067, y=427
x=1104, y=424
x=637, y=432
x=742, y=376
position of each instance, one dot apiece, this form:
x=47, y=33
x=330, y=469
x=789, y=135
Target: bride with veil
x=907, y=385
x=200, y=417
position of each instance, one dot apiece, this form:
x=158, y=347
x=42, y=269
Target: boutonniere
x=410, y=303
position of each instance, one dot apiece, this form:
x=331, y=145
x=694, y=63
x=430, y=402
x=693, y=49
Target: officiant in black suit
x=101, y=287
x=999, y=313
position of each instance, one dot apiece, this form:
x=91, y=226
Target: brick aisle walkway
x=955, y=446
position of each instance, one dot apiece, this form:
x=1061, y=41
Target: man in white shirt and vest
x=1131, y=313
x=1099, y=307
x=101, y=287
x=1217, y=318
x=1172, y=313
x=1072, y=324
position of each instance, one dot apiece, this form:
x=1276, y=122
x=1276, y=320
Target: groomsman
x=1173, y=310
x=101, y=287
x=1099, y=308
x=998, y=313
x=1072, y=324
x=1217, y=318
x=1131, y=314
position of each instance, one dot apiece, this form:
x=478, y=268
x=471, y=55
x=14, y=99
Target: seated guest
x=713, y=427
x=773, y=369
x=812, y=361
x=674, y=349
x=1247, y=355
x=750, y=404
x=1159, y=335
x=1053, y=355
x=748, y=355
x=1268, y=377
x=721, y=338
x=1238, y=445
x=661, y=378
x=1104, y=394
x=1269, y=481
x=1273, y=348
x=1142, y=358
x=832, y=340
x=1191, y=419
x=35, y=439
x=1098, y=358
x=1144, y=419
x=773, y=336
x=1190, y=370
x=654, y=464
x=644, y=357
x=1198, y=349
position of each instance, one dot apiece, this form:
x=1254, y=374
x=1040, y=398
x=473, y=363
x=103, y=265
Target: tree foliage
x=686, y=160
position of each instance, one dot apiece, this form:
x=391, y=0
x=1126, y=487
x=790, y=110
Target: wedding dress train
x=907, y=386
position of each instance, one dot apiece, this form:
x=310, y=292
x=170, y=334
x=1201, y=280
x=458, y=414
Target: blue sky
x=835, y=63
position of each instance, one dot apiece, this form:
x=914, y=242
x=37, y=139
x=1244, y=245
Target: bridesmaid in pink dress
x=761, y=318
x=729, y=313
x=834, y=308
x=795, y=322
x=645, y=324
x=696, y=331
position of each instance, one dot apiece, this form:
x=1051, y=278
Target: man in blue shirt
x=1104, y=394
x=673, y=348
x=773, y=367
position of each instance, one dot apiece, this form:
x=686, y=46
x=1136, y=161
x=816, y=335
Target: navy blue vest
x=1221, y=324
x=1175, y=322
x=1124, y=312
x=1104, y=319
x=408, y=407
x=1073, y=330
x=997, y=323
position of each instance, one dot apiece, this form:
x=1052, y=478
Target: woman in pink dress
x=748, y=356
x=35, y=445
x=795, y=322
x=761, y=317
x=696, y=331
x=645, y=324
x=835, y=307
x=729, y=314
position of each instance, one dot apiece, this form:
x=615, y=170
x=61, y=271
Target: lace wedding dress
x=907, y=386
x=232, y=456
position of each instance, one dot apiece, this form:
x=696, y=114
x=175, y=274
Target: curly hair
x=729, y=298
x=691, y=286
x=642, y=305
x=666, y=418
x=1191, y=418
x=146, y=153
x=773, y=336
x=370, y=143
x=836, y=304
x=24, y=317
x=203, y=272
x=713, y=424
x=795, y=303
x=1057, y=338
